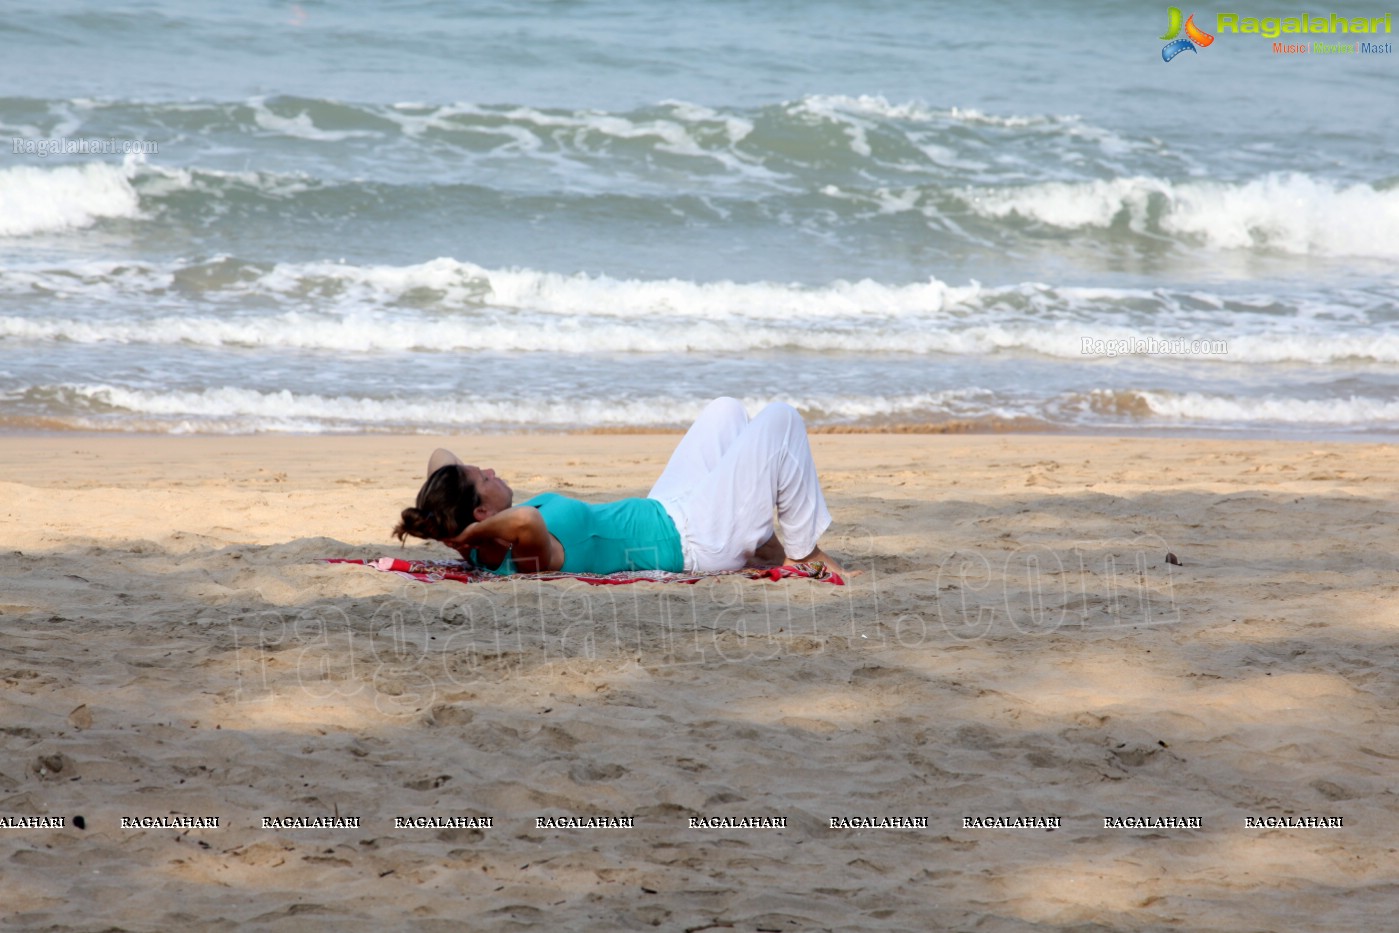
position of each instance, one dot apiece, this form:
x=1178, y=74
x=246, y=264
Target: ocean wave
x=302, y=125
x=832, y=164
x=785, y=146
x=1286, y=212
x=239, y=410
x=1145, y=407
x=448, y=305
x=236, y=410
x=370, y=332
x=878, y=106
x=37, y=199
x=447, y=285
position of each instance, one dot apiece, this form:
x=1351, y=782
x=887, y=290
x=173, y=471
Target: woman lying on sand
x=711, y=509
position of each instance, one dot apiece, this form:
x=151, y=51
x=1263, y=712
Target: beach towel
x=436, y=571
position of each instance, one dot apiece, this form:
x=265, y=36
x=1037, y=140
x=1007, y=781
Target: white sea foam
x=37, y=199
x=856, y=116
x=874, y=105
x=736, y=128
x=237, y=410
x=44, y=199
x=370, y=331
x=687, y=130
x=91, y=280
x=447, y=306
x=1291, y=213
x=1205, y=408
x=155, y=181
x=463, y=283
x=301, y=126
x=1071, y=205
x=228, y=409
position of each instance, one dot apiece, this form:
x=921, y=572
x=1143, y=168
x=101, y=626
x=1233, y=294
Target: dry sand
x=1017, y=647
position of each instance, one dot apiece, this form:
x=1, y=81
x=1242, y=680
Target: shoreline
x=937, y=429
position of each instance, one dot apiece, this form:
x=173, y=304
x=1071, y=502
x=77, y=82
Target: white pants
x=728, y=473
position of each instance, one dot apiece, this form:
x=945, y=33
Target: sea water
x=434, y=216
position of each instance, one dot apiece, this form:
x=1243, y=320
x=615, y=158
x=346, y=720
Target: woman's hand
x=462, y=542
x=487, y=543
x=477, y=545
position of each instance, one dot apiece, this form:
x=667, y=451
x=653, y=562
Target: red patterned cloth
x=435, y=571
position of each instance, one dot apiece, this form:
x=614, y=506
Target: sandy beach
x=1020, y=717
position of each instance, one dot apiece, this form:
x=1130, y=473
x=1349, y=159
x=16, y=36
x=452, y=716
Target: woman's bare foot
x=826, y=559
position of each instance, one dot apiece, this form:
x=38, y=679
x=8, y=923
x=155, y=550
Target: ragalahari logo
x=1193, y=36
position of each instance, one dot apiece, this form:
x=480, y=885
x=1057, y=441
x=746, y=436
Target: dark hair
x=446, y=505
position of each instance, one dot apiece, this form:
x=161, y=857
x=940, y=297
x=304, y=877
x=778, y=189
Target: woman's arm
x=440, y=458
x=520, y=532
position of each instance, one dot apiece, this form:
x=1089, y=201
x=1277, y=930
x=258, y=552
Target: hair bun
x=418, y=524
x=446, y=504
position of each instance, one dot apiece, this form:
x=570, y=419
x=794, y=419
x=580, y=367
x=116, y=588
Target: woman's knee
x=726, y=405
x=781, y=413
x=723, y=414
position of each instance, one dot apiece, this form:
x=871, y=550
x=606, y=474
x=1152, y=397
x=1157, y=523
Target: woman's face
x=496, y=495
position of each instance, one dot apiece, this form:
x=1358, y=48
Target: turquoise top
x=629, y=534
